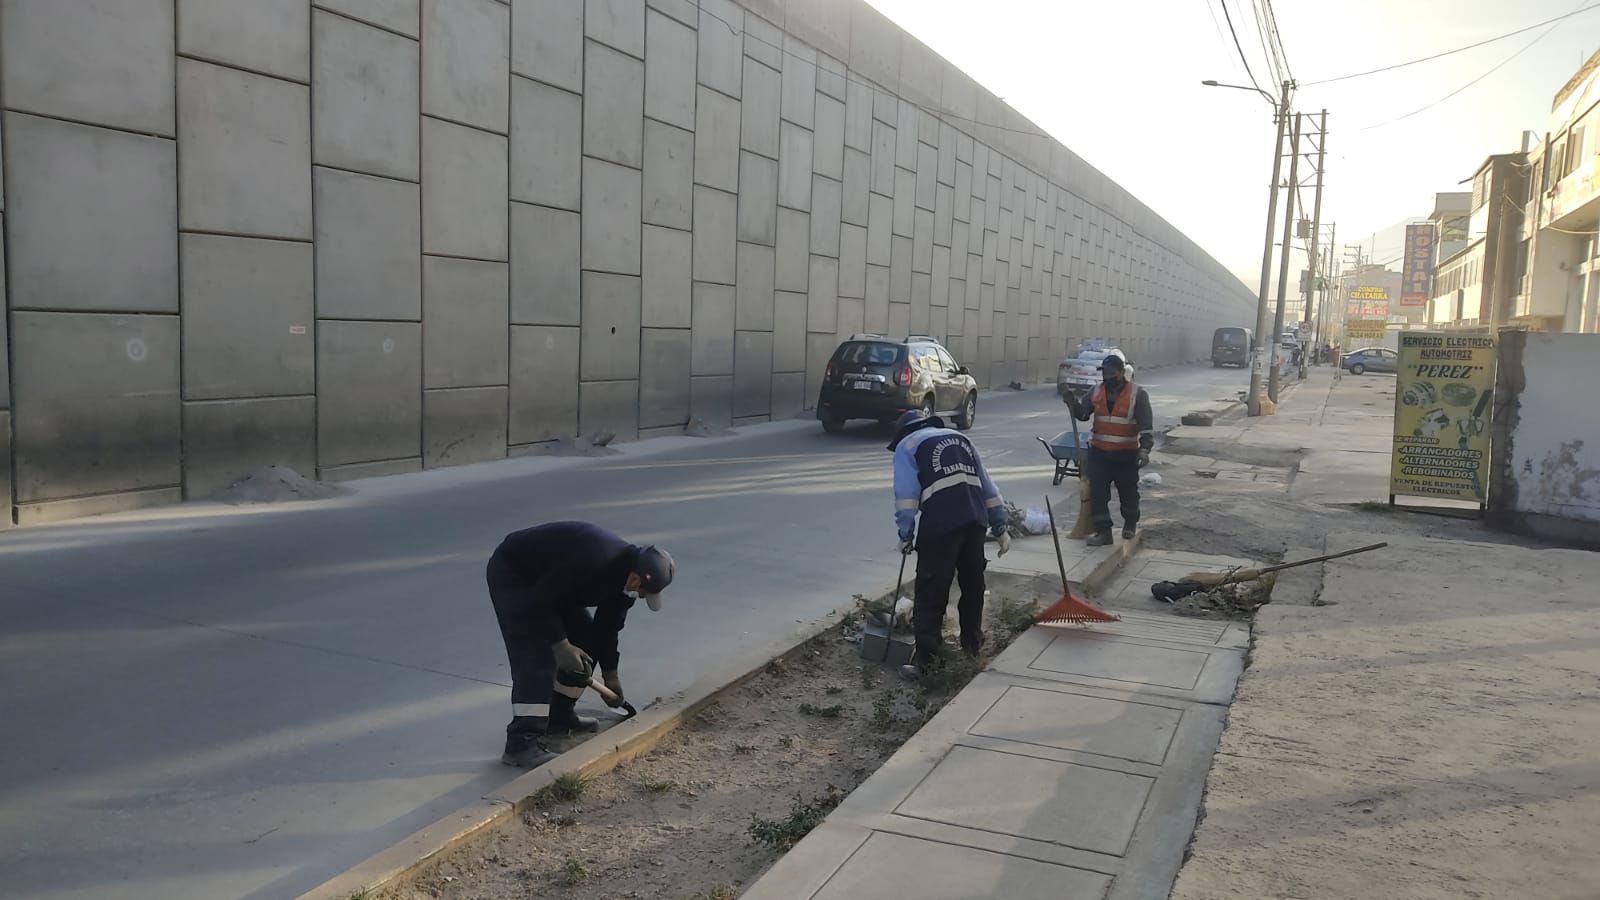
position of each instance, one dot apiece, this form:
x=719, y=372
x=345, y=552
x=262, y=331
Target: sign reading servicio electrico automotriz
x=1441, y=416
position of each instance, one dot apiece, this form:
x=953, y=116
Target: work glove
x=1144, y=458
x=570, y=658
x=1004, y=538
x=613, y=683
x=907, y=545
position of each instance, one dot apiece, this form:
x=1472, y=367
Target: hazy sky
x=1119, y=83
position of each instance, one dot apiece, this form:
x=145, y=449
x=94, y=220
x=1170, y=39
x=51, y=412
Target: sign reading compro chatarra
x=1441, y=417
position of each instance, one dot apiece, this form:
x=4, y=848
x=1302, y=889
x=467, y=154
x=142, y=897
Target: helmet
x=910, y=421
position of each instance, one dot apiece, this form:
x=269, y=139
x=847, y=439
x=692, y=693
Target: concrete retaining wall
x=1547, y=436
x=368, y=236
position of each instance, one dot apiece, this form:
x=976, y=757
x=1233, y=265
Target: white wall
x=1555, y=448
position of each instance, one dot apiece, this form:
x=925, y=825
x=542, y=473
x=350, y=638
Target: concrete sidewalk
x=1071, y=768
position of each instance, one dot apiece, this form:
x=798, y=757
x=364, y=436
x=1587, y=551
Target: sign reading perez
x=1441, y=420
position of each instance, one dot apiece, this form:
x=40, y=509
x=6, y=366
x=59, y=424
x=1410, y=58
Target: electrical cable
x=1497, y=67
x=1277, y=39
x=1237, y=45
x=1266, y=48
x=1435, y=56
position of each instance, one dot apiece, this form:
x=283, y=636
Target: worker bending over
x=542, y=582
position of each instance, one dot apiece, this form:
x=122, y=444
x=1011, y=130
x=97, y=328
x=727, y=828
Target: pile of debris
x=1229, y=601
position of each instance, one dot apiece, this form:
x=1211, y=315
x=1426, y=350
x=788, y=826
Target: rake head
x=1070, y=610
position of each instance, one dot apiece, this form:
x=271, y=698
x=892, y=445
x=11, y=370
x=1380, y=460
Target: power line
x=1266, y=48
x=1435, y=56
x=1497, y=67
x=1240, y=47
x=1277, y=39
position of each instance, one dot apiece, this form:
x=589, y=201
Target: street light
x=1212, y=82
x=1260, y=358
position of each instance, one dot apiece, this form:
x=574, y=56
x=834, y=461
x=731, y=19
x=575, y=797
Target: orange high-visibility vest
x=1114, y=428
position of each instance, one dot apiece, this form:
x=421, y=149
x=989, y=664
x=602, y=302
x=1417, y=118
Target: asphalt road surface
x=217, y=702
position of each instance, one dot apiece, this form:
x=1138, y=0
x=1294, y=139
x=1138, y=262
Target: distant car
x=874, y=377
x=1080, y=372
x=1371, y=359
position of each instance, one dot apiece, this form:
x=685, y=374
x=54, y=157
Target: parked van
x=1231, y=347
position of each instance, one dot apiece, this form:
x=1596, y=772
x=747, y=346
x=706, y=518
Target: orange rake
x=1069, y=610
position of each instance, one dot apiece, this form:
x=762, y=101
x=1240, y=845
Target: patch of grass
x=1014, y=616
x=565, y=820
x=783, y=834
x=822, y=712
x=1374, y=506
x=777, y=669
x=834, y=689
x=720, y=892
x=869, y=677
x=362, y=894
x=573, y=872
x=565, y=789
x=662, y=786
x=949, y=676
x=883, y=714
x=743, y=749
x=786, y=741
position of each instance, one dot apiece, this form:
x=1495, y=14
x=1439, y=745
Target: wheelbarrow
x=1066, y=450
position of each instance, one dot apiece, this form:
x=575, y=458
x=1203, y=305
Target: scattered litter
x=1016, y=386
x=1150, y=479
x=276, y=484
x=902, y=611
x=587, y=445
x=1028, y=522
x=702, y=428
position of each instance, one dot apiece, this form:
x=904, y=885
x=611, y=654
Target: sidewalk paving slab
x=1071, y=768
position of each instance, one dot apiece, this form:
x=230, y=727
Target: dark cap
x=910, y=421
x=655, y=569
x=1112, y=362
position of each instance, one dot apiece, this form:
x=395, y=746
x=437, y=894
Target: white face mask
x=633, y=595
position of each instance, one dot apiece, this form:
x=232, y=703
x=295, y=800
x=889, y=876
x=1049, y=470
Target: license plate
x=864, y=385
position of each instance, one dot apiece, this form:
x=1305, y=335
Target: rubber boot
x=565, y=720
x=1099, y=539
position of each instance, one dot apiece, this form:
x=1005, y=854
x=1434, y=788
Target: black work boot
x=924, y=660
x=1128, y=532
x=565, y=720
x=1100, y=539
x=972, y=646
x=526, y=751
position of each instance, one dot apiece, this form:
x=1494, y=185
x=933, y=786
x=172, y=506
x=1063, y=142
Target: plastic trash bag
x=1150, y=479
x=1036, y=521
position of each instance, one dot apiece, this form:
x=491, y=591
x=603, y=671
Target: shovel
x=611, y=699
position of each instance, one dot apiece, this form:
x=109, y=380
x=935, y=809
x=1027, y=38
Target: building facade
x=1560, y=291
x=1476, y=287
x=363, y=238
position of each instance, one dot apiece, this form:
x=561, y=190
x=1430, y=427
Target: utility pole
x=1312, y=263
x=1283, y=264
x=1327, y=286
x=1261, y=357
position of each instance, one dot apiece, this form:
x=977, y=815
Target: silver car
x=1080, y=372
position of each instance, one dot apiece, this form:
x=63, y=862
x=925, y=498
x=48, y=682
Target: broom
x=1081, y=528
x=1236, y=576
x=1069, y=610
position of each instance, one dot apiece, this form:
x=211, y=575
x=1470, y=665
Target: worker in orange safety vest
x=1121, y=437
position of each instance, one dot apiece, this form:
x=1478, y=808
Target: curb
x=1108, y=568
x=620, y=744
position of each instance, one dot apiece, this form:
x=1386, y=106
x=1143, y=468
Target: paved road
x=211, y=702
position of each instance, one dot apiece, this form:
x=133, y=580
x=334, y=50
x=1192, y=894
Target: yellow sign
x=1441, y=417
x=1365, y=329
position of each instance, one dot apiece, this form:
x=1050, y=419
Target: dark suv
x=873, y=377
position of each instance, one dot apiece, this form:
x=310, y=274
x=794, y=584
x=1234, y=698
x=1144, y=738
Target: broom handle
x=1317, y=559
x=1056, y=539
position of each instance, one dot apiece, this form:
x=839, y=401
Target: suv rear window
x=864, y=353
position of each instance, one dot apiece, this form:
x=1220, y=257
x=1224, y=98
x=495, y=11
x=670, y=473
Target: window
x=949, y=361
x=1574, y=152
